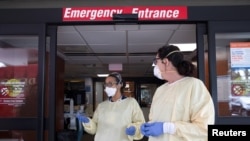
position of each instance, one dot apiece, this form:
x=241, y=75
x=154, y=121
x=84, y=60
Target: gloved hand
x=130, y=130
x=143, y=130
x=82, y=118
x=152, y=129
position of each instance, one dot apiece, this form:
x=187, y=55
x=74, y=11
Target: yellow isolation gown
x=111, y=119
x=186, y=103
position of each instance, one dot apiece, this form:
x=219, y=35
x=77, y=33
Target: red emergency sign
x=106, y=13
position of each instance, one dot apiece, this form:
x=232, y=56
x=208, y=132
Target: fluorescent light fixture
x=2, y=65
x=102, y=75
x=186, y=47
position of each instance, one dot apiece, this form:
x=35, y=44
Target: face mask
x=157, y=72
x=110, y=91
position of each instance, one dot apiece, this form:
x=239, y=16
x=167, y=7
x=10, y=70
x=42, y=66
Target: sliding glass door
x=21, y=87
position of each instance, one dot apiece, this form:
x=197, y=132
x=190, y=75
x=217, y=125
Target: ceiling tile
x=70, y=38
x=148, y=36
x=187, y=26
x=141, y=59
x=63, y=29
x=126, y=27
x=144, y=48
x=113, y=59
x=159, y=26
x=184, y=36
x=82, y=60
x=95, y=28
x=109, y=48
x=104, y=37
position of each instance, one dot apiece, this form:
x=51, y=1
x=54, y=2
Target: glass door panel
x=18, y=75
x=147, y=92
x=18, y=81
x=233, y=74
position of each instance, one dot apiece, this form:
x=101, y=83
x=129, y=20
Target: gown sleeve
x=137, y=120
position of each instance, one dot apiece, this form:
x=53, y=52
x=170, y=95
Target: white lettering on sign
x=155, y=13
x=106, y=13
x=90, y=14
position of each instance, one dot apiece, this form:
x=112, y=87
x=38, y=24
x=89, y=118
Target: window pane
x=233, y=67
x=18, y=76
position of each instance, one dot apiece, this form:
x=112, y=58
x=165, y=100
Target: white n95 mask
x=157, y=72
x=110, y=91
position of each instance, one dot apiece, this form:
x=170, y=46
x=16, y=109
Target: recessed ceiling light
x=186, y=47
x=102, y=75
x=2, y=65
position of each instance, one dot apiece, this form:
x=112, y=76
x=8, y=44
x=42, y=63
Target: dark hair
x=117, y=77
x=173, y=54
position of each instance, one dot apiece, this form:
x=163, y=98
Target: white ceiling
x=89, y=50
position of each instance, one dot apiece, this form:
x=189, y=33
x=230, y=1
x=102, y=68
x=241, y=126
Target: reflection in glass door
x=18, y=82
x=146, y=94
x=233, y=74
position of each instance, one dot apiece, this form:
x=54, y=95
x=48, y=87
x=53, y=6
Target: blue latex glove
x=152, y=129
x=143, y=130
x=82, y=118
x=130, y=130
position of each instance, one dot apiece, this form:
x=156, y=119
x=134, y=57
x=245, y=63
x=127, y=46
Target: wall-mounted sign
x=106, y=13
x=240, y=68
x=12, y=91
x=240, y=54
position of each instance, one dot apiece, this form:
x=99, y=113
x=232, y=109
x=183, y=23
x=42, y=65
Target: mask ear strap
x=172, y=52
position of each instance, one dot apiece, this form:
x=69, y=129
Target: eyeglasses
x=155, y=60
x=109, y=84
